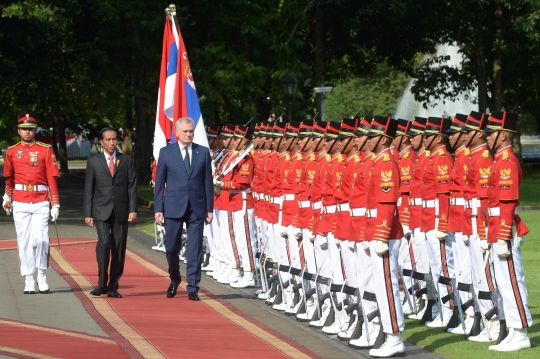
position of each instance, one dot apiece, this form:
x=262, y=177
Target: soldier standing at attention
x=30, y=170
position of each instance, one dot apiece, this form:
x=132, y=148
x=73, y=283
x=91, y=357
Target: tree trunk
x=319, y=54
x=62, y=155
x=481, y=76
x=497, y=61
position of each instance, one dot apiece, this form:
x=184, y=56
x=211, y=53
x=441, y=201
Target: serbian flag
x=177, y=96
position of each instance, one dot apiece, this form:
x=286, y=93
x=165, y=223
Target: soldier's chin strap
x=377, y=144
x=433, y=139
x=348, y=142
x=362, y=147
x=495, y=142
x=317, y=146
x=400, y=142
x=457, y=140
x=470, y=140
x=304, y=147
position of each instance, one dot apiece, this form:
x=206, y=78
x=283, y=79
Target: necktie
x=186, y=160
x=111, y=165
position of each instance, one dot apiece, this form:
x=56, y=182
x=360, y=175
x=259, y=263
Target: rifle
x=237, y=160
x=356, y=113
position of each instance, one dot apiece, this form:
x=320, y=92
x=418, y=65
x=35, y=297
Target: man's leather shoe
x=171, y=291
x=193, y=296
x=98, y=291
x=114, y=294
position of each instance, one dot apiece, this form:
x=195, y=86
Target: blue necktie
x=186, y=160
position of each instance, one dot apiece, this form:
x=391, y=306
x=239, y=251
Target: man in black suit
x=110, y=202
x=185, y=167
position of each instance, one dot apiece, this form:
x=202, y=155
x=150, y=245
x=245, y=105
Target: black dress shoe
x=114, y=294
x=171, y=291
x=98, y=291
x=193, y=296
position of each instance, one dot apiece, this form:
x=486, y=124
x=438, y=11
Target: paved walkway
x=65, y=309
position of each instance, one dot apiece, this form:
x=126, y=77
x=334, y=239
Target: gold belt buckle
x=29, y=187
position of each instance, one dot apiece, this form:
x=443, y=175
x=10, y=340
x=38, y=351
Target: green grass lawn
x=530, y=188
x=456, y=346
x=146, y=192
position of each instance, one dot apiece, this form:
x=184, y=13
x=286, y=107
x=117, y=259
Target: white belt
x=275, y=200
x=236, y=191
x=457, y=201
x=316, y=205
x=255, y=195
x=330, y=209
x=266, y=198
x=358, y=212
x=469, y=204
x=371, y=213
x=430, y=203
x=304, y=204
x=344, y=207
x=289, y=197
x=31, y=188
x=415, y=201
x=494, y=211
x=399, y=201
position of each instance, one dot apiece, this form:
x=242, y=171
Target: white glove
x=55, y=210
x=8, y=204
x=312, y=238
x=381, y=247
x=503, y=249
x=484, y=245
x=344, y=243
x=152, y=183
x=337, y=242
x=283, y=231
x=465, y=239
x=351, y=245
x=297, y=232
x=365, y=245
x=321, y=241
x=441, y=236
x=161, y=231
x=218, y=183
x=406, y=230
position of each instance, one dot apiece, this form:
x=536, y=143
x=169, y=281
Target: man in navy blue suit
x=185, y=169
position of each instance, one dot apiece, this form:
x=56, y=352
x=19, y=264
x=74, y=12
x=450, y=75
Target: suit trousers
x=173, y=244
x=111, y=248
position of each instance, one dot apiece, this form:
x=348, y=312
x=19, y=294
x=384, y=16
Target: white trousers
x=243, y=239
x=438, y=260
x=364, y=274
x=219, y=252
x=309, y=251
x=280, y=245
x=32, y=226
x=349, y=262
x=385, y=274
x=336, y=264
x=462, y=265
x=421, y=255
x=225, y=228
x=482, y=277
x=511, y=284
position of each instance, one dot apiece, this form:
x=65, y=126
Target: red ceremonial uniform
x=504, y=181
x=406, y=161
x=436, y=186
x=291, y=181
x=476, y=186
x=342, y=194
x=324, y=162
x=241, y=178
x=331, y=183
x=31, y=165
x=455, y=215
x=415, y=199
x=258, y=183
x=382, y=195
x=304, y=189
x=357, y=199
x=272, y=188
x=222, y=200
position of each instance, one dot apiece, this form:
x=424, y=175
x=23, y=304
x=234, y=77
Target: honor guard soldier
x=506, y=231
x=460, y=255
x=30, y=169
x=383, y=235
x=435, y=195
x=475, y=225
x=406, y=160
x=418, y=238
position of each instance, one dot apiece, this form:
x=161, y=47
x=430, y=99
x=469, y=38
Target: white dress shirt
x=107, y=157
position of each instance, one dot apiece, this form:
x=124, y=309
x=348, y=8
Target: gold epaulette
x=287, y=157
x=236, y=153
x=428, y=153
x=340, y=158
x=328, y=158
x=467, y=152
x=357, y=159
x=299, y=157
x=372, y=155
x=312, y=157
x=13, y=145
x=505, y=155
x=485, y=154
x=441, y=153
x=42, y=144
x=406, y=155
x=386, y=157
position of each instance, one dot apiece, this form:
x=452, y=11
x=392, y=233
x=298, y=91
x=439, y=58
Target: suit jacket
x=104, y=193
x=195, y=187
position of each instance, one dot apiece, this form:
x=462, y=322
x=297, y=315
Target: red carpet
x=176, y=328
x=30, y=340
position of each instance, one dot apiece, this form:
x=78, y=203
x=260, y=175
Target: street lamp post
x=289, y=86
x=322, y=90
